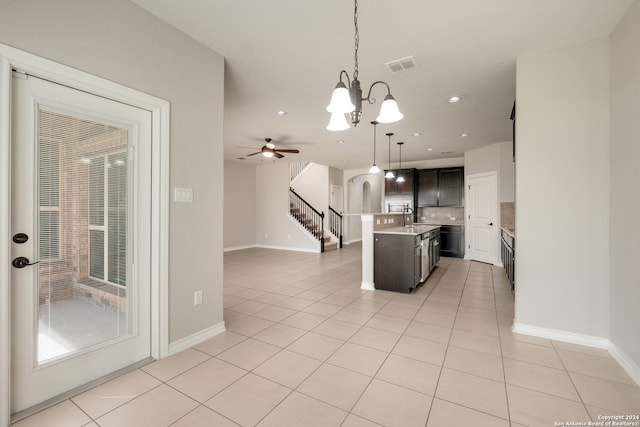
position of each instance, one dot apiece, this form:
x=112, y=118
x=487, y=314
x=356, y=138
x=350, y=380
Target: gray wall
x=495, y=157
x=274, y=228
x=625, y=176
x=562, y=188
x=239, y=205
x=119, y=41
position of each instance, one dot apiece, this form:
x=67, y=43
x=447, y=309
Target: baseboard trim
x=238, y=248
x=197, y=338
x=287, y=248
x=368, y=286
x=630, y=367
x=558, y=335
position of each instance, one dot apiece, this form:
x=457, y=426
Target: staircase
x=311, y=220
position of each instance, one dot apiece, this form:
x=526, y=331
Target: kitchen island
x=404, y=256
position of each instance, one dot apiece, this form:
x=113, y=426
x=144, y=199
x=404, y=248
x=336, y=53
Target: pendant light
x=389, y=174
x=400, y=178
x=349, y=99
x=374, y=168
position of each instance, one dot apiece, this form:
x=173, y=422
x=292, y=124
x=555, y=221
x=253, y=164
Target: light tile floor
x=306, y=347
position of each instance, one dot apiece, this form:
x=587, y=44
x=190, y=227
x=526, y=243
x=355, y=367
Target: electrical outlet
x=378, y=221
x=197, y=297
x=433, y=215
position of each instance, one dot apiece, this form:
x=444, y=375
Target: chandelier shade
x=340, y=100
x=389, y=112
x=338, y=122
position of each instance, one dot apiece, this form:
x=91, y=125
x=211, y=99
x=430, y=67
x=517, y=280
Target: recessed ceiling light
x=454, y=99
x=417, y=134
x=340, y=141
x=281, y=113
x=464, y=135
x=429, y=149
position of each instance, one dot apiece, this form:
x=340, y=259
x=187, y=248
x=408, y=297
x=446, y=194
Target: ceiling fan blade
x=286, y=150
x=253, y=154
x=278, y=155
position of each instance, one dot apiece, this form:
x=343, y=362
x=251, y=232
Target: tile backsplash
x=453, y=215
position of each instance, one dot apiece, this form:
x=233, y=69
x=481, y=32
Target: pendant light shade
x=389, y=174
x=400, y=179
x=337, y=122
x=374, y=168
x=389, y=111
x=340, y=100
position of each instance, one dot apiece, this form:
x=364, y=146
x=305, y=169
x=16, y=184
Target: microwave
x=399, y=206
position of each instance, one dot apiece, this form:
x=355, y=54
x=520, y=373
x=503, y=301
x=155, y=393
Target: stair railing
x=307, y=215
x=335, y=224
x=295, y=168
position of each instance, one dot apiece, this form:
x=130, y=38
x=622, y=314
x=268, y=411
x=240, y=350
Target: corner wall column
x=367, y=253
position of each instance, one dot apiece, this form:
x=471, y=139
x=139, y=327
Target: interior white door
x=80, y=220
x=481, y=200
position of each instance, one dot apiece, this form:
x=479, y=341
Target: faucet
x=406, y=210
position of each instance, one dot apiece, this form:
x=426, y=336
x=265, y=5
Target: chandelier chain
x=356, y=38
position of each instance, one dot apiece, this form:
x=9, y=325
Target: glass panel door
x=82, y=236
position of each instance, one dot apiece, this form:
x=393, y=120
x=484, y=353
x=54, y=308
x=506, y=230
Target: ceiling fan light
x=267, y=154
x=340, y=100
x=389, y=175
x=400, y=179
x=337, y=122
x=374, y=169
x=389, y=111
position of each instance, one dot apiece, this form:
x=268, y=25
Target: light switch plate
x=183, y=195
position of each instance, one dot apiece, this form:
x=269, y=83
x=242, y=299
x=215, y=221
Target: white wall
x=507, y=173
x=313, y=186
x=274, y=228
x=562, y=187
x=354, y=206
x=239, y=205
x=119, y=41
x=625, y=176
x=495, y=157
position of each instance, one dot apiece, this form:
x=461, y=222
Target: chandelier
x=349, y=99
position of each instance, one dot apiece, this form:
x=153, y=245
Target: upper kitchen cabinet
x=427, y=187
x=441, y=187
x=402, y=190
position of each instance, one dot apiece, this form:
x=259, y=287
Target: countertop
x=412, y=230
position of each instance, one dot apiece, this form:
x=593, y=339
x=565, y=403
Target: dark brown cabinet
x=402, y=190
x=428, y=187
x=452, y=240
x=396, y=261
x=440, y=187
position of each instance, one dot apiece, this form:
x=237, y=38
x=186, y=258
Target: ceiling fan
x=270, y=150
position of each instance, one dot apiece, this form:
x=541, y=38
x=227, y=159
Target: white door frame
x=17, y=59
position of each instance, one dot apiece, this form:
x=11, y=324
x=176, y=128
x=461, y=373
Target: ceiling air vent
x=402, y=64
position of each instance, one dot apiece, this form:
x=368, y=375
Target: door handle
x=22, y=262
x=491, y=224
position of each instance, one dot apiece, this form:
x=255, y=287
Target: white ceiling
x=287, y=55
